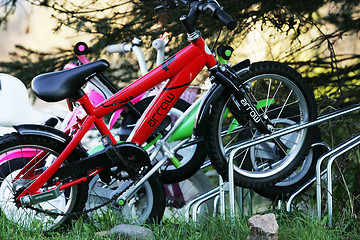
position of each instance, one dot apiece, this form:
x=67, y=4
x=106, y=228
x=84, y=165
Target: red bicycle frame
x=180, y=69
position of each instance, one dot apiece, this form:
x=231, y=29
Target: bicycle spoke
x=267, y=96
x=287, y=99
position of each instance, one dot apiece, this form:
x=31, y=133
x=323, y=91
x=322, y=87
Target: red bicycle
x=231, y=112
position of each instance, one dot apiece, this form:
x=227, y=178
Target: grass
x=291, y=226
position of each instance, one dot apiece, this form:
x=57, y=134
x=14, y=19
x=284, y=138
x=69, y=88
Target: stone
x=124, y=231
x=263, y=227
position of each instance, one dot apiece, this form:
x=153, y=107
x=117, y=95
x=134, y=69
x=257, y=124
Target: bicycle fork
x=244, y=105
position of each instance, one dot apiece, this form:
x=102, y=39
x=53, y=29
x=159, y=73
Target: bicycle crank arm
x=80, y=168
x=122, y=199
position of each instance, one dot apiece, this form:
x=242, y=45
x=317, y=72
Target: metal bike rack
x=297, y=192
x=249, y=143
x=333, y=154
x=218, y=193
x=197, y=201
x=308, y=183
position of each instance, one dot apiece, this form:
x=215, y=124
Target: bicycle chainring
x=134, y=159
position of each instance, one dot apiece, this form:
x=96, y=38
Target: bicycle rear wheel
x=275, y=89
x=15, y=152
x=145, y=206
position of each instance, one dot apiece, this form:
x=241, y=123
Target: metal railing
x=231, y=153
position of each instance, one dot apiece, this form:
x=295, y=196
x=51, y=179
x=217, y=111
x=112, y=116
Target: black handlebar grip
x=81, y=48
x=225, y=18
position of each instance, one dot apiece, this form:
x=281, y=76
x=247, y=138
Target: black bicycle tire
x=15, y=139
x=214, y=148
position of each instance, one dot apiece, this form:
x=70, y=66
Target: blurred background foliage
x=306, y=34
x=318, y=38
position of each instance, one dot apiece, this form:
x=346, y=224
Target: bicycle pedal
x=41, y=197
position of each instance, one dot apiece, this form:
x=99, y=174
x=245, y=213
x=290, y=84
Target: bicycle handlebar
x=225, y=18
x=117, y=48
x=159, y=46
x=127, y=47
x=209, y=7
x=124, y=47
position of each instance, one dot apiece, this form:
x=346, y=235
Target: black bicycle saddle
x=57, y=86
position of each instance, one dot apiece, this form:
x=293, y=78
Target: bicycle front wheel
x=276, y=90
x=304, y=173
